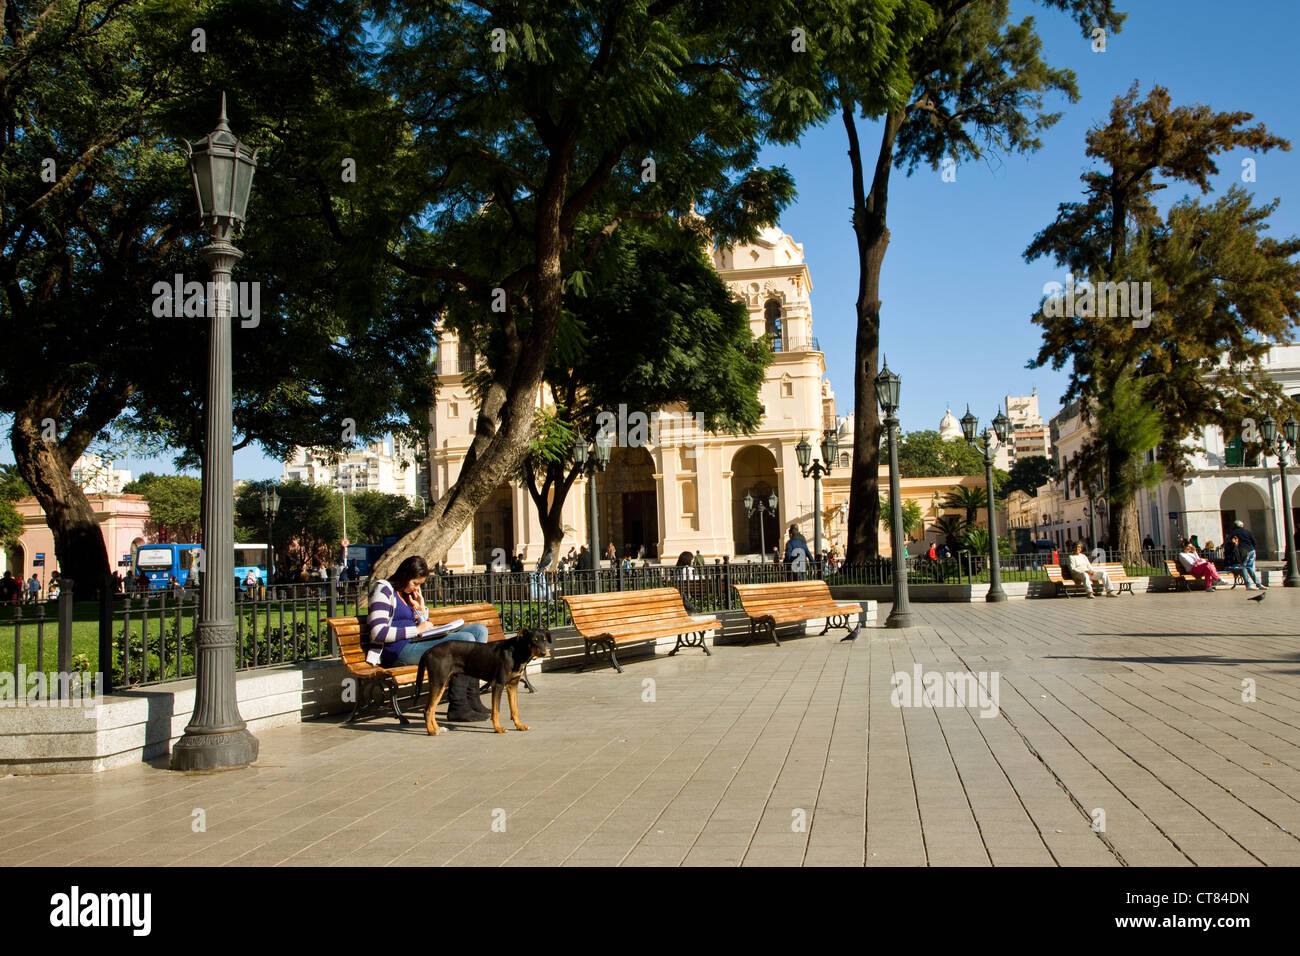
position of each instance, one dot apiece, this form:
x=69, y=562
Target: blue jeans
x=414, y=650
x=1248, y=569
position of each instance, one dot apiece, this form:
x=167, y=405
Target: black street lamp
x=1001, y=425
x=888, y=386
x=590, y=463
x=760, y=507
x=803, y=453
x=270, y=505
x=1290, y=436
x=216, y=737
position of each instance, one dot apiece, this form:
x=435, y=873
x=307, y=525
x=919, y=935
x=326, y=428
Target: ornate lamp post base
x=899, y=619
x=228, y=751
x=217, y=737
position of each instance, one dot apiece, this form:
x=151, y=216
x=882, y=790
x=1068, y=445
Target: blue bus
x=358, y=558
x=160, y=562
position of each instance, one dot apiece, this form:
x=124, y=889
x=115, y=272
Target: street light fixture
x=803, y=453
x=590, y=462
x=888, y=386
x=221, y=169
x=1001, y=427
x=1290, y=435
x=760, y=507
x=270, y=505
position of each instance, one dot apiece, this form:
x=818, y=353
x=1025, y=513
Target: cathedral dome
x=949, y=427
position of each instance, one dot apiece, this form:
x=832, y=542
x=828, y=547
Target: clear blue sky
x=956, y=292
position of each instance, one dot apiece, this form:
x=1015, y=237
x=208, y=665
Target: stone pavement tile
x=772, y=856
x=597, y=856
x=714, y=856
x=655, y=856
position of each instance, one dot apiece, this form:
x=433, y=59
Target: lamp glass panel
x=1292, y=431
x=201, y=171
x=1000, y=426
x=968, y=425
x=223, y=175
x=749, y=503
x=243, y=186
x=803, y=452
x=1268, y=429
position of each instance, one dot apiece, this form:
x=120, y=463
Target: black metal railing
x=153, y=633
x=151, y=636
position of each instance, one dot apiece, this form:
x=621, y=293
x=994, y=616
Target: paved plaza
x=1127, y=734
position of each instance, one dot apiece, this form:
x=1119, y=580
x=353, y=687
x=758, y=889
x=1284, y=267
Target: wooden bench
x=1119, y=578
x=385, y=682
x=606, y=620
x=1182, y=577
x=1063, y=584
x=787, y=602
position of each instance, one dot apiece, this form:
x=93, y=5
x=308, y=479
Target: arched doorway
x=753, y=470
x=629, y=504
x=494, y=526
x=16, y=560
x=772, y=324
x=1243, y=501
x=1176, y=525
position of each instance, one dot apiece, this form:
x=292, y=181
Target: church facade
x=684, y=489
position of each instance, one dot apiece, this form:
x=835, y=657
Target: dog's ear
x=548, y=635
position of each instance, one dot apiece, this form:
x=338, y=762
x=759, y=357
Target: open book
x=372, y=655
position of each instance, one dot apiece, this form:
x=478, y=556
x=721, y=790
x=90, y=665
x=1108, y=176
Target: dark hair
x=410, y=569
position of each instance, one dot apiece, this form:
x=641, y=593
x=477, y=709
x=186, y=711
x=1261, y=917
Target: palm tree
x=977, y=540
x=969, y=500
x=952, y=527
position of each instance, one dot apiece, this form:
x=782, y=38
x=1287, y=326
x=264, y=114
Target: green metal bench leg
x=392, y=699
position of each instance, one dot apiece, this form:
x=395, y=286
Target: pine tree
x=1220, y=292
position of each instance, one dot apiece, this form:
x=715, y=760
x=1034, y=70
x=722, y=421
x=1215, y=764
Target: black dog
x=501, y=663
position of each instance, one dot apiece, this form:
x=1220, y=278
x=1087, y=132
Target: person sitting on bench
x=1191, y=562
x=396, y=620
x=1081, y=570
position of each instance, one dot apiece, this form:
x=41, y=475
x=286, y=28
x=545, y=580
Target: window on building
x=772, y=323
x=690, y=506
x=787, y=388
x=465, y=355
x=453, y=410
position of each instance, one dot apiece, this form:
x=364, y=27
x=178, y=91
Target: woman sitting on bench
x=396, y=619
x=1191, y=562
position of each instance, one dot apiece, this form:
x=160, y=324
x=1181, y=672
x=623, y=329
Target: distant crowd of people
x=17, y=591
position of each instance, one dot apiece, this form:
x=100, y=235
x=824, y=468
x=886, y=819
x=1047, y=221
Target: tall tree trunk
x=46, y=466
x=550, y=514
x=506, y=416
x=1122, y=516
x=872, y=234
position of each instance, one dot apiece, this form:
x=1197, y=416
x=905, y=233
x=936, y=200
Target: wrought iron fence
x=151, y=636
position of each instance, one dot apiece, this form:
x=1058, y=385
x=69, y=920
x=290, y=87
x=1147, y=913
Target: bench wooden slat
x=787, y=602
x=618, y=617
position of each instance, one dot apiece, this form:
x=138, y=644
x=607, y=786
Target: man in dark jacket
x=797, y=554
x=1245, y=542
